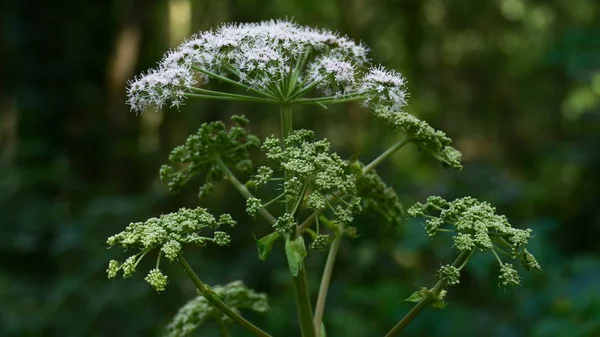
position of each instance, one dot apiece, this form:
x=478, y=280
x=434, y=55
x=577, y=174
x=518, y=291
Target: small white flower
x=384, y=88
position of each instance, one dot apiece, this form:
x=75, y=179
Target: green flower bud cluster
x=423, y=135
x=197, y=311
x=167, y=233
x=253, y=205
x=476, y=226
x=509, y=275
x=449, y=274
x=285, y=224
x=320, y=243
x=310, y=165
x=157, y=279
x=263, y=174
x=198, y=154
x=377, y=195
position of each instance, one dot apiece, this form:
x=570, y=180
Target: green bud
x=157, y=279
x=320, y=243
x=508, y=275
x=253, y=205
x=113, y=268
x=222, y=238
x=449, y=274
x=285, y=224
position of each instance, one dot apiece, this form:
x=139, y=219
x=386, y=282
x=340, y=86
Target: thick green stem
x=326, y=280
x=425, y=302
x=386, y=154
x=285, y=113
x=208, y=294
x=303, y=304
x=243, y=189
x=300, y=282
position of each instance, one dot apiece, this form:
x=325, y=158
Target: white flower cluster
x=271, y=57
x=384, y=88
x=258, y=54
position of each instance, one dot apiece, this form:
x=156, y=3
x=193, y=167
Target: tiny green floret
x=167, y=234
x=449, y=274
x=263, y=174
x=285, y=224
x=476, y=227
x=221, y=238
x=320, y=243
x=253, y=205
x=200, y=152
x=377, y=195
x=509, y=275
x=157, y=279
x=316, y=175
x=423, y=135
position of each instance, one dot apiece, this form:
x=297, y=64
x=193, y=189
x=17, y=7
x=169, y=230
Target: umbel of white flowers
x=280, y=61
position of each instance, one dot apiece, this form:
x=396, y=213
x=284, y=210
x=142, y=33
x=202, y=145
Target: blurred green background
x=515, y=83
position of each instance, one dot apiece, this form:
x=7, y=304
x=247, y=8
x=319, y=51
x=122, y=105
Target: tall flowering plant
x=285, y=64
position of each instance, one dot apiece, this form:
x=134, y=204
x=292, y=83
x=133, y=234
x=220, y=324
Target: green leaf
x=323, y=332
x=439, y=304
x=295, y=250
x=439, y=301
x=265, y=244
x=417, y=296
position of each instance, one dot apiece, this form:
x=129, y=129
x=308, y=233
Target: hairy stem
x=209, y=295
x=425, y=302
x=300, y=282
x=243, y=189
x=326, y=280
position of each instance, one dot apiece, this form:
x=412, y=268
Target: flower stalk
x=301, y=291
x=206, y=292
x=326, y=279
x=427, y=300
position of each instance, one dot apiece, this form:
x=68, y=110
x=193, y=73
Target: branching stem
x=326, y=279
x=301, y=291
x=230, y=81
x=208, y=294
x=386, y=154
x=425, y=302
x=243, y=190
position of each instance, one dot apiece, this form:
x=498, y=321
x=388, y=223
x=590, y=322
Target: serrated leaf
x=295, y=251
x=265, y=244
